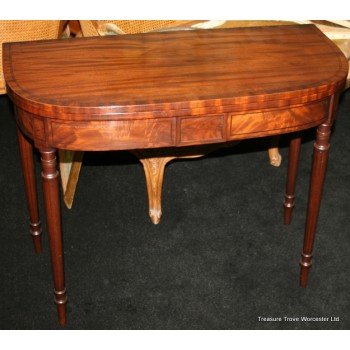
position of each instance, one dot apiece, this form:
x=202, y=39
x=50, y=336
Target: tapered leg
x=289, y=197
x=27, y=161
x=319, y=165
x=49, y=176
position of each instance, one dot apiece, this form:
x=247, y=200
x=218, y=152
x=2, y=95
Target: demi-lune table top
x=173, y=72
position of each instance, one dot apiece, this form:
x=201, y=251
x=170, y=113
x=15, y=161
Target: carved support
x=28, y=168
x=154, y=162
x=49, y=176
x=70, y=164
x=319, y=165
x=154, y=173
x=293, y=161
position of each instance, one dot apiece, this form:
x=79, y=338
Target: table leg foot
x=28, y=168
x=305, y=265
x=319, y=165
x=61, y=303
x=293, y=160
x=62, y=315
x=49, y=176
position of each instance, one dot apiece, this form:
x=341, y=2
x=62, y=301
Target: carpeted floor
x=220, y=257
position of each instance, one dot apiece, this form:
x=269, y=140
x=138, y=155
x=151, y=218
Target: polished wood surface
x=161, y=94
x=318, y=173
x=166, y=72
x=293, y=162
x=319, y=164
x=28, y=169
x=49, y=177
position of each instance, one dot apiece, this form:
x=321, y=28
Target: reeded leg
x=319, y=165
x=289, y=197
x=154, y=173
x=27, y=161
x=49, y=176
x=274, y=154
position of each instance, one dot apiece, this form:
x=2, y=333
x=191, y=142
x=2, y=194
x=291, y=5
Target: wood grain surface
x=173, y=71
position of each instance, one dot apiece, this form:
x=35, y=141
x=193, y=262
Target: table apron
x=128, y=133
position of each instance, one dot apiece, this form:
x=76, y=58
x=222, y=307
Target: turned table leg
x=319, y=165
x=27, y=161
x=49, y=176
x=289, y=197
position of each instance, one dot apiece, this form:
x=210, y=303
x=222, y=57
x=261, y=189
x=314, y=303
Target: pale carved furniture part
x=166, y=98
x=154, y=173
x=154, y=163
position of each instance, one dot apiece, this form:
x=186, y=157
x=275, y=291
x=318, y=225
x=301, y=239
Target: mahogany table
x=167, y=95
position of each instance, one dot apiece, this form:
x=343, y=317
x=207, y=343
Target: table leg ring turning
x=35, y=230
x=305, y=265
